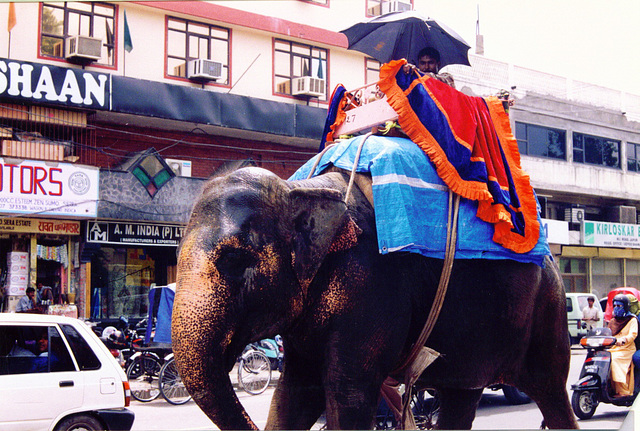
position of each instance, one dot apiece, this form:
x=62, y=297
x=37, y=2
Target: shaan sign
x=605, y=234
x=50, y=84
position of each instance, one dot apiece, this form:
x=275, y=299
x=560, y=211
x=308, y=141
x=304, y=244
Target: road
x=493, y=413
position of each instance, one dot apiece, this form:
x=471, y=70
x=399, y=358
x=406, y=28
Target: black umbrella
x=397, y=35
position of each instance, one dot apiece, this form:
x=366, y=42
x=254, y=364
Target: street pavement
x=494, y=412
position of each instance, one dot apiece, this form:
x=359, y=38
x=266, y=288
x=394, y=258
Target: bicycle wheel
x=254, y=372
x=171, y=385
x=143, y=378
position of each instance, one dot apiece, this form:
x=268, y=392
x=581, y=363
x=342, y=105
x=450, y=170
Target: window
x=33, y=349
x=380, y=7
x=541, y=141
x=633, y=157
x=371, y=70
x=295, y=60
x=188, y=40
x=574, y=274
x=87, y=360
x=61, y=20
x=606, y=274
x=595, y=150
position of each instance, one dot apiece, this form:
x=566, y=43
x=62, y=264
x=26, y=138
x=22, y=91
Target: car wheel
x=79, y=423
x=515, y=396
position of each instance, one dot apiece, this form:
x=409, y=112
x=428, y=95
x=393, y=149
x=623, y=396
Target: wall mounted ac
x=202, y=69
x=389, y=6
x=182, y=168
x=574, y=215
x=83, y=48
x=307, y=86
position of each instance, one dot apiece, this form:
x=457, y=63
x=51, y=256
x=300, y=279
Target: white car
x=56, y=374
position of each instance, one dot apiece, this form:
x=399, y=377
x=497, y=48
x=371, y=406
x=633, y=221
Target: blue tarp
x=411, y=201
x=162, y=314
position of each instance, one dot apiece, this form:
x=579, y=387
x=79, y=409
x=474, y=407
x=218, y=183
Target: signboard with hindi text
x=606, y=234
x=37, y=225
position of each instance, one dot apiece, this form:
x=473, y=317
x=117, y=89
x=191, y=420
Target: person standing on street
x=591, y=315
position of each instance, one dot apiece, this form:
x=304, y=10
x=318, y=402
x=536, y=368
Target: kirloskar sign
x=134, y=233
x=605, y=234
x=37, y=225
x=30, y=186
x=51, y=84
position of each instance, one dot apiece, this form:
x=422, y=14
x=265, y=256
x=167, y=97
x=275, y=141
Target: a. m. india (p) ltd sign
x=606, y=234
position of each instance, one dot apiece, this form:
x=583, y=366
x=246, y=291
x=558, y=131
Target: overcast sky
x=596, y=41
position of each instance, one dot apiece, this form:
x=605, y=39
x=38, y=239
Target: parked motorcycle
x=121, y=340
x=595, y=385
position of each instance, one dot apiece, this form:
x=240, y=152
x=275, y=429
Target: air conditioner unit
x=574, y=215
x=307, y=86
x=389, y=6
x=204, y=69
x=395, y=6
x=83, y=48
x=182, y=168
x=622, y=214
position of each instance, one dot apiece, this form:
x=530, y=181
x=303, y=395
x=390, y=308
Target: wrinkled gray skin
x=262, y=256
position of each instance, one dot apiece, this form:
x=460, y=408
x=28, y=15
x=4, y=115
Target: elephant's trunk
x=200, y=339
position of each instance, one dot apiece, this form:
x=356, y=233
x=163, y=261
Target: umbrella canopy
x=398, y=35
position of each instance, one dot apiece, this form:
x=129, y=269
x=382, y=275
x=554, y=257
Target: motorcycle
x=595, y=385
x=121, y=340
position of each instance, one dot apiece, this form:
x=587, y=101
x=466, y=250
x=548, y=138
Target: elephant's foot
x=556, y=410
x=457, y=408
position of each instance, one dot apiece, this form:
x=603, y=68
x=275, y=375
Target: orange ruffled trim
x=478, y=191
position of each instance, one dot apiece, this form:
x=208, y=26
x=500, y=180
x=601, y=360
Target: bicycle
x=144, y=372
x=254, y=371
x=171, y=386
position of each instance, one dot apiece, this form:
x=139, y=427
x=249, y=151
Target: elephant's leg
x=555, y=408
x=298, y=400
x=457, y=408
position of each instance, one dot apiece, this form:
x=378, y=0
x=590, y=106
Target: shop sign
x=134, y=233
x=36, y=225
x=604, y=234
x=556, y=231
x=32, y=186
x=51, y=84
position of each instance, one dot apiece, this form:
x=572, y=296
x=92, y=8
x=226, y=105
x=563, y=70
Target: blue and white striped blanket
x=410, y=202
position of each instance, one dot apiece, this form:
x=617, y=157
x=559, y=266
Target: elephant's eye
x=232, y=263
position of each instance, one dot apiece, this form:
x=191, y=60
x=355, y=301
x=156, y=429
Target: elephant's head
x=252, y=246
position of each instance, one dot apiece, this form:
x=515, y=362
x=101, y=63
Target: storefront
x=608, y=257
x=40, y=250
x=41, y=203
x=127, y=259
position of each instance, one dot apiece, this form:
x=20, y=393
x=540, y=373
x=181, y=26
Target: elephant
x=262, y=256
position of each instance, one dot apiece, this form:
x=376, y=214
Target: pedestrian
x=590, y=314
x=27, y=304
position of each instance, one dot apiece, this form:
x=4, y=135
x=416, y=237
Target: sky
x=596, y=41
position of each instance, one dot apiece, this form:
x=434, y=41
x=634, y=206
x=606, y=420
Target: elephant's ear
x=317, y=215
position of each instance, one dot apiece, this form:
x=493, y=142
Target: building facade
x=113, y=115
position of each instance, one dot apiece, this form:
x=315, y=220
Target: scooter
x=595, y=385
